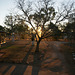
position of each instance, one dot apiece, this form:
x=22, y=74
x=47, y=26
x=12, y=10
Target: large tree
x=44, y=17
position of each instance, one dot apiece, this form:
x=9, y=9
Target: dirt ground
x=50, y=60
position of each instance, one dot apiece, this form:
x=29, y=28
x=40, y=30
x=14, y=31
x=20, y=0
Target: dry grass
x=67, y=50
x=15, y=53
x=18, y=51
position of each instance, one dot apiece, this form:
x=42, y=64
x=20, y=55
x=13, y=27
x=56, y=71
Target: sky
x=7, y=6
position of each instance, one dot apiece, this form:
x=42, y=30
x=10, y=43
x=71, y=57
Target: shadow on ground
x=39, y=62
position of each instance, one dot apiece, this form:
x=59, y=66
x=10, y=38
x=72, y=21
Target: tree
x=43, y=17
x=70, y=30
x=2, y=34
x=1, y=28
x=21, y=28
x=9, y=21
x=72, y=17
x=16, y=24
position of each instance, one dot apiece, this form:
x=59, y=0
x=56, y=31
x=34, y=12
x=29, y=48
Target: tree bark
x=37, y=46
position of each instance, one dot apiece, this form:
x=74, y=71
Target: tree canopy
x=1, y=28
x=70, y=30
x=44, y=16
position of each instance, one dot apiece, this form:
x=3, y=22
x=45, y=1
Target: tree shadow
x=36, y=64
x=28, y=53
x=39, y=61
x=19, y=70
x=56, y=69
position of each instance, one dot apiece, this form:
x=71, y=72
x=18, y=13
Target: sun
x=39, y=31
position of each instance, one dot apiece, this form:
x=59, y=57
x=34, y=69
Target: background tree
x=16, y=24
x=9, y=21
x=2, y=28
x=70, y=30
x=56, y=33
x=2, y=34
x=21, y=28
x=43, y=17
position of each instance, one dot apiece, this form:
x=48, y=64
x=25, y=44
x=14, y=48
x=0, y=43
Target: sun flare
x=39, y=31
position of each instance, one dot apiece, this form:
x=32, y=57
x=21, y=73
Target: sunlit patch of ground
x=16, y=52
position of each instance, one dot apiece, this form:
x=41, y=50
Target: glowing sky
x=7, y=6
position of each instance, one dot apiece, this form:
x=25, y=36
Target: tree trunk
x=37, y=46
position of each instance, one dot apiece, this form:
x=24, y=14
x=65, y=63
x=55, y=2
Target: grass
x=67, y=50
x=14, y=52
x=6, y=45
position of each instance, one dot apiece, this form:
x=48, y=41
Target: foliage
x=16, y=24
x=9, y=21
x=43, y=17
x=70, y=30
x=1, y=28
